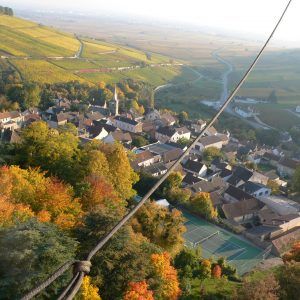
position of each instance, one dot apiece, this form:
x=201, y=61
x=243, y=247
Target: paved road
x=225, y=75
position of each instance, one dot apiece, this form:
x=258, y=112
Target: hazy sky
x=250, y=16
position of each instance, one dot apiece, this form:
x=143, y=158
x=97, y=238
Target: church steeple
x=116, y=101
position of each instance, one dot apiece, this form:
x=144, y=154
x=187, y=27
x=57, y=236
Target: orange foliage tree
x=101, y=196
x=47, y=198
x=294, y=253
x=166, y=277
x=138, y=291
x=216, y=271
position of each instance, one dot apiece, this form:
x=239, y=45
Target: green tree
x=139, y=141
x=173, y=181
x=183, y=142
x=201, y=204
x=274, y=186
x=30, y=253
x=296, y=181
x=162, y=227
x=211, y=153
x=289, y=280
x=183, y=116
x=122, y=175
x=125, y=259
x=32, y=93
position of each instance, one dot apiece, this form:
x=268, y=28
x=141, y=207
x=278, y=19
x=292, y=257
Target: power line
x=76, y=281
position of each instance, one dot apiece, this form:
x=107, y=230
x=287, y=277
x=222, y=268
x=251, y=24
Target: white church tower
x=116, y=102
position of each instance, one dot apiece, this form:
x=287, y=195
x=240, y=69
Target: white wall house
x=127, y=124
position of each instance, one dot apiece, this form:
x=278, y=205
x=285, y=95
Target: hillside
x=45, y=55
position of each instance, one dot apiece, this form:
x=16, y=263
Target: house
x=144, y=159
x=97, y=132
x=168, y=153
x=199, y=126
x=195, y=167
x=298, y=109
x=218, y=164
x=287, y=166
x=207, y=142
x=211, y=131
x=234, y=194
x=271, y=158
x=152, y=115
x=255, y=189
x=61, y=119
x=243, y=211
x=214, y=185
x=283, y=243
x=118, y=136
x=127, y=124
x=167, y=119
x=12, y=116
x=171, y=134
x=190, y=179
x=156, y=169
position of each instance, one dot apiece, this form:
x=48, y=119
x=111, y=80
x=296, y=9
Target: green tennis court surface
x=216, y=242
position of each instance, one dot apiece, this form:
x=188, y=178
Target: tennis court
x=216, y=242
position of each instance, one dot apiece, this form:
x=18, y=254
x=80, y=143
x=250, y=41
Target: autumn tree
x=101, y=196
x=162, y=227
x=289, y=280
x=48, y=198
x=263, y=289
x=125, y=259
x=166, y=284
x=122, y=175
x=30, y=252
x=173, y=181
x=205, y=269
x=88, y=291
x=202, y=205
x=138, y=291
x=57, y=153
x=216, y=271
x=274, y=186
x=294, y=253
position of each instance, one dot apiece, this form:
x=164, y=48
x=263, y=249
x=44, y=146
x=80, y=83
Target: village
x=245, y=197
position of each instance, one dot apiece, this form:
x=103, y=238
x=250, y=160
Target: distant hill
x=44, y=54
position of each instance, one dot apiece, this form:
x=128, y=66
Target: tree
x=210, y=153
x=183, y=116
x=293, y=254
x=272, y=98
x=216, y=271
x=205, y=269
x=138, y=291
x=31, y=96
x=162, y=227
x=122, y=175
x=263, y=289
x=139, y=141
x=101, y=196
x=88, y=291
x=166, y=284
x=296, y=181
x=183, y=142
x=289, y=280
x=125, y=259
x=31, y=192
x=187, y=262
x=174, y=180
x=274, y=186
x=268, y=137
x=202, y=205
x=57, y=153
x=178, y=195
x=30, y=252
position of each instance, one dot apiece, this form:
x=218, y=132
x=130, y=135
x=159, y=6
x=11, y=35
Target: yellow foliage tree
x=88, y=291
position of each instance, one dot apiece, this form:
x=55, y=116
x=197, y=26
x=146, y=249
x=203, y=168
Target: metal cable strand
x=47, y=282
x=77, y=279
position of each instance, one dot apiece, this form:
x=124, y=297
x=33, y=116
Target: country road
x=225, y=75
